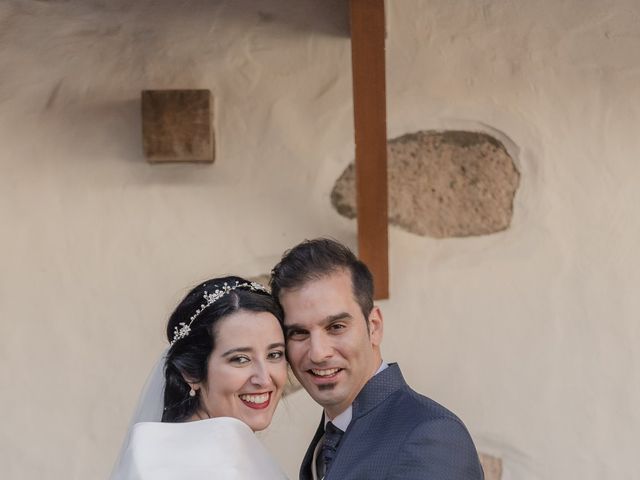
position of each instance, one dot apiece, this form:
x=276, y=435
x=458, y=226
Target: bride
x=218, y=382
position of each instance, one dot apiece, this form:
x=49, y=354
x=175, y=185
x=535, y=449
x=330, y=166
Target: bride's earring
x=192, y=392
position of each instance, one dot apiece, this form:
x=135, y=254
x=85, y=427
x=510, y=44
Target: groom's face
x=330, y=349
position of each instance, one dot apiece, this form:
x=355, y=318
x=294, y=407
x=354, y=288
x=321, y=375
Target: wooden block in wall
x=177, y=125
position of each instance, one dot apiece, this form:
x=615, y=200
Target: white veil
x=150, y=405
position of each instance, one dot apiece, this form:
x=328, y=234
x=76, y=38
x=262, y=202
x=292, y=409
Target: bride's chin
x=258, y=424
x=258, y=429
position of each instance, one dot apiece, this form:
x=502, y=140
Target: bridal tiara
x=183, y=329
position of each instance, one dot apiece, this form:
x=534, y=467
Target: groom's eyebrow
x=325, y=321
x=337, y=316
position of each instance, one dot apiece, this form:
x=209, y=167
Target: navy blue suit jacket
x=396, y=433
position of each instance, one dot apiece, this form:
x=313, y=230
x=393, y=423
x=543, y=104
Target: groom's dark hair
x=316, y=259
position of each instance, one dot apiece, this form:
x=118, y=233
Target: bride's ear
x=194, y=390
x=195, y=386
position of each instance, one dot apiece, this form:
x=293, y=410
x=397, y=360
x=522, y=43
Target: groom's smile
x=331, y=372
x=325, y=379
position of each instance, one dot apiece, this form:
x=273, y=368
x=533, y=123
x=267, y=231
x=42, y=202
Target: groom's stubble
x=328, y=386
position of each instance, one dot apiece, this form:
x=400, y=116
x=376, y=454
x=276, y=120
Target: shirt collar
x=343, y=419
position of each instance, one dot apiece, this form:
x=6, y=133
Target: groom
x=374, y=426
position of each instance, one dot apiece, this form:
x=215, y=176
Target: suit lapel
x=376, y=391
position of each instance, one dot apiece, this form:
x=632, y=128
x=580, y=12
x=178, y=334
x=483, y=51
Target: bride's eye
x=276, y=355
x=239, y=360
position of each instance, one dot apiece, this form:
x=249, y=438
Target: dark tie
x=332, y=436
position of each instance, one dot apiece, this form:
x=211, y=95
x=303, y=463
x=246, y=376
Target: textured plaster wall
x=530, y=335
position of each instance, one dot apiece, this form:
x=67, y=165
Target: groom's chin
x=326, y=394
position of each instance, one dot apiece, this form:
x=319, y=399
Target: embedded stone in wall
x=443, y=184
x=492, y=467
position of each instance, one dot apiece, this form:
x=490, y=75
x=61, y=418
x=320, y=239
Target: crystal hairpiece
x=183, y=329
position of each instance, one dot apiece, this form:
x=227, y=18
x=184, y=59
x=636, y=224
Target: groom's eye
x=296, y=334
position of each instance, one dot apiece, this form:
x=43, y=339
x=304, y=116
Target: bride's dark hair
x=188, y=357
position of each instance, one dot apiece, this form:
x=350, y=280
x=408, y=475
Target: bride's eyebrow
x=250, y=350
x=237, y=350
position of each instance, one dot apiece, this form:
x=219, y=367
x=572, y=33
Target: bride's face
x=247, y=369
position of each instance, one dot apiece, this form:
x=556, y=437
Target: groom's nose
x=319, y=348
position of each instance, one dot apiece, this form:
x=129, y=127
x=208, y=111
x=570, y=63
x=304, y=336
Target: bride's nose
x=260, y=374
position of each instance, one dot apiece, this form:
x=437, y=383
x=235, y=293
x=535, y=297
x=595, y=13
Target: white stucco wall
x=529, y=335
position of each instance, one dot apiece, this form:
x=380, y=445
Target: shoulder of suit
x=419, y=406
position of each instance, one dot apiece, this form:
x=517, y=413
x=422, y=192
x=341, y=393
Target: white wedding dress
x=217, y=448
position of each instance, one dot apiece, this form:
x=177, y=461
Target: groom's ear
x=375, y=323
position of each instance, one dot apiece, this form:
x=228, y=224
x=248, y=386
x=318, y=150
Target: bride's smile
x=246, y=371
x=257, y=400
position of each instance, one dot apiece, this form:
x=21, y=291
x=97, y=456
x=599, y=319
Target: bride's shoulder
x=196, y=434
x=223, y=424
x=217, y=444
